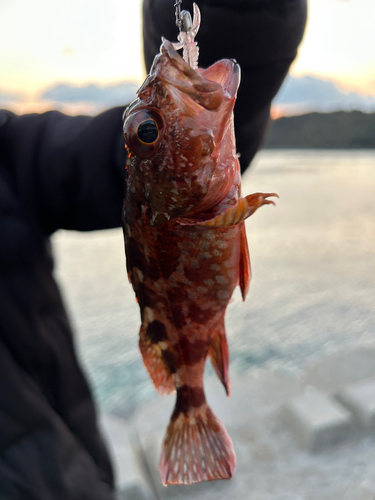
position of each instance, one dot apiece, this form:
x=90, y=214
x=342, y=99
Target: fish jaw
x=195, y=162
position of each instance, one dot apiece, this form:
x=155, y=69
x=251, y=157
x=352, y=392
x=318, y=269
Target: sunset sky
x=45, y=42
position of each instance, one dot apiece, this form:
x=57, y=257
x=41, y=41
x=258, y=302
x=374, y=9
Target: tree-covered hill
x=340, y=130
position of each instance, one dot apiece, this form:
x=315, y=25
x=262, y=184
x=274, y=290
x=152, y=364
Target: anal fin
x=156, y=361
x=245, y=266
x=219, y=355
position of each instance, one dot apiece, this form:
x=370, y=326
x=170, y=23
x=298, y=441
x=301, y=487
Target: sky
x=44, y=43
x=339, y=43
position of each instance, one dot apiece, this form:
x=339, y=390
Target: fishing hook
x=178, y=14
x=188, y=30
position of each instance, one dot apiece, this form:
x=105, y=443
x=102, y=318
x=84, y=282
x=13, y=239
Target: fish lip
x=227, y=73
x=222, y=78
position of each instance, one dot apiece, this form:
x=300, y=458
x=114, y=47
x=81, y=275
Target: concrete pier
x=306, y=438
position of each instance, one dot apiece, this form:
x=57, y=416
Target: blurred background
x=313, y=288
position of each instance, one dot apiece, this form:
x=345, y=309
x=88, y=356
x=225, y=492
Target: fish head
x=180, y=134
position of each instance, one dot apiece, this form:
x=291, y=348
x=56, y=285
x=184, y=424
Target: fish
x=186, y=247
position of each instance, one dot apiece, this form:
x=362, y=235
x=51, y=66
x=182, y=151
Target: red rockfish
x=186, y=247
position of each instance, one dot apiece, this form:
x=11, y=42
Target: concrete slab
x=317, y=421
x=271, y=464
x=360, y=400
x=333, y=373
x=131, y=483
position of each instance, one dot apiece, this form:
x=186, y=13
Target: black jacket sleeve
x=262, y=35
x=68, y=171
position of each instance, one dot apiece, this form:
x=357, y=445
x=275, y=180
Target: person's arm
x=262, y=35
x=68, y=172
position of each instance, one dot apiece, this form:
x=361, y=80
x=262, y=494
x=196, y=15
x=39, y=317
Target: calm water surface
x=312, y=291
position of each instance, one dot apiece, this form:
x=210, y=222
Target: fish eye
x=144, y=129
x=148, y=131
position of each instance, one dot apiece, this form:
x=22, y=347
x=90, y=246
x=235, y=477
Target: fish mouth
x=208, y=88
x=227, y=73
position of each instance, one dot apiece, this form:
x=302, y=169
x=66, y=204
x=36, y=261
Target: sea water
x=312, y=292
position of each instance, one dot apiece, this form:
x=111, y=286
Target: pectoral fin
x=234, y=214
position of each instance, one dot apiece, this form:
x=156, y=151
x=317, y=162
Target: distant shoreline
x=338, y=130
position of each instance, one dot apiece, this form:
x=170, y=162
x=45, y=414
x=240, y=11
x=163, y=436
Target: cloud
x=309, y=93
x=6, y=98
x=99, y=97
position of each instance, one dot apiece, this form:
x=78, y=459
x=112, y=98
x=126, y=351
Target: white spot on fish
x=202, y=289
x=167, y=216
x=154, y=217
x=132, y=189
x=194, y=264
x=149, y=314
x=192, y=295
x=204, y=245
x=180, y=269
x=177, y=380
x=214, y=267
x=221, y=279
x=204, y=256
x=163, y=345
x=222, y=295
x=222, y=244
x=139, y=274
x=217, y=253
x=208, y=282
x=209, y=235
x=173, y=199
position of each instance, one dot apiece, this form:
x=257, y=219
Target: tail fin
x=196, y=448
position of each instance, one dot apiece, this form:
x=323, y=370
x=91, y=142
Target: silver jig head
x=188, y=31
